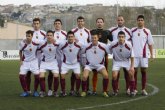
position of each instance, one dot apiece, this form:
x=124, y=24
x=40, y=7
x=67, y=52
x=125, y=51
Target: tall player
x=114, y=32
x=142, y=38
x=49, y=63
x=95, y=53
x=70, y=50
x=123, y=56
x=29, y=62
x=104, y=36
x=82, y=36
x=59, y=37
x=38, y=36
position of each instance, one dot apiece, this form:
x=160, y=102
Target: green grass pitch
x=10, y=89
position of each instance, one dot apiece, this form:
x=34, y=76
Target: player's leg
x=64, y=69
x=42, y=83
x=131, y=82
x=50, y=82
x=126, y=76
x=144, y=66
x=56, y=83
x=136, y=65
x=86, y=71
x=104, y=73
x=22, y=78
x=76, y=69
x=72, y=82
x=28, y=80
x=94, y=81
x=35, y=71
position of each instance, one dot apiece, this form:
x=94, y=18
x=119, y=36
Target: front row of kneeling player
x=95, y=51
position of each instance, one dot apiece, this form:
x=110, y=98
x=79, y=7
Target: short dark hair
x=29, y=32
x=100, y=18
x=37, y=19
x=120, y=16
x=50, y=31
x=80, y=17
x=121, y=32
x=140, y=16
x=94, y=32
x=70, y=32
x=58, y=20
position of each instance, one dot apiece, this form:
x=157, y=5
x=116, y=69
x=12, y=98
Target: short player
x=82, y=36
x=114, y=32
x=104, y=36
x=38, y=37
x=123, y=56
x=141, y=39
x=59, y=37
x=95, y=53
x=70, y=50
x=49, y=63
x=29, y=62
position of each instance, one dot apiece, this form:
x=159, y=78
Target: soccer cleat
x=63, y=94
x=50, y=92
x=128, y=92
x=135, y=91
x=94, y=93
x=89, y=92
x=72, y=93
x=24, y=94
x=132, y=94
x=42, y=94
x=36, y=94
x=144, y=92
x=115, y=93
x=83, y=94
x=56, y=94
x=105, y=94
x=29, y=92
x=77, y=94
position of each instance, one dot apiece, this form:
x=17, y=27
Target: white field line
x=155, y=90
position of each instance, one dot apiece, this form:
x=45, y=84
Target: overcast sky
x=156, y=3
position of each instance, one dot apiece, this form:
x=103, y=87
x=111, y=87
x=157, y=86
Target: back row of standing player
x=139, y=36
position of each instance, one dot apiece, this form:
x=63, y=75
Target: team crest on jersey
x=30, y=49
x=94, y=51
x=50, y=49
x=37, y=37
x=57, y=37
x=120, y=50
x=138, y=34
x=81, y=34
x=70, y=50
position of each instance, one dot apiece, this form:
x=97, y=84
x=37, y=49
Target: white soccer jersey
x=121, y=52
x=70, y=52
x=140, y=39
x=39, y=36
x=60, y=36
x=95, y=54
x=82, y=35
x=115, y=30
x=49, y=51
x=28, y=51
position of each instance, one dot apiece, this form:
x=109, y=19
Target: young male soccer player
x=70, y=50
x=95, y=53
x=29, y=62
x=142, y=38
x=114, y=32
x=123, y=56
x=82, y=36
x=49, y=63
x=38, y=36
x=104, y=36
x=59, y=37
